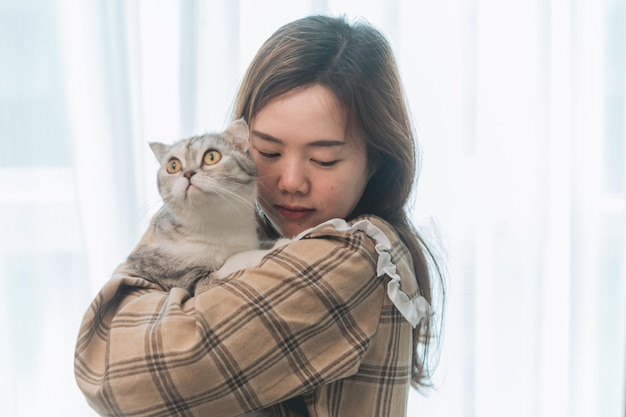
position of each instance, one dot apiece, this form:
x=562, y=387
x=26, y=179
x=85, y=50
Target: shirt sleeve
x=302, y=318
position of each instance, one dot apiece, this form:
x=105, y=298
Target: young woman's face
x=308, y=170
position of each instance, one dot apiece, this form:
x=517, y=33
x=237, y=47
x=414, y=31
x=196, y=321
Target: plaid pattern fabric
x=310, y=330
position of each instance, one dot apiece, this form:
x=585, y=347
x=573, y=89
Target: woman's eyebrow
x=314, y=144
x=326, y=143
x=266, y=137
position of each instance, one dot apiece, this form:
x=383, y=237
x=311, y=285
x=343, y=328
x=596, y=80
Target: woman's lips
x=294, y=213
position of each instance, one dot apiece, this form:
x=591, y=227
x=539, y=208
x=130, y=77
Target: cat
x=208, y=187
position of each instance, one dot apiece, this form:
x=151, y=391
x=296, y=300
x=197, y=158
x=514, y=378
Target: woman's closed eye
x=325, y=164
x=268, y=155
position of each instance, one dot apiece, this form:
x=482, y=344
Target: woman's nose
x=293, y=178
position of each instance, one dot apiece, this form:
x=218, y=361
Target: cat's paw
x=246, y=259
x=238, y=261
x=282, y=242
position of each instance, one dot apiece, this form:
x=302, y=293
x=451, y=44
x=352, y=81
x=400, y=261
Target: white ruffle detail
x=412, y=310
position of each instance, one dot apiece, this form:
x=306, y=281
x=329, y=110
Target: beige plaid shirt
x=310, y=330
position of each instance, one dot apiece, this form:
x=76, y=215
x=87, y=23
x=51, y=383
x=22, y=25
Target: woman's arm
x=301, y=319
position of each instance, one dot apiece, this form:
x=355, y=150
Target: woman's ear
x=373, y=165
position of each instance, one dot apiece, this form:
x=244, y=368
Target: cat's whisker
x=233, y=190
x=235, y=199
x=262, y=200
x=245, y=201
x=242, y=200
x=148, y=207
x=167, y=198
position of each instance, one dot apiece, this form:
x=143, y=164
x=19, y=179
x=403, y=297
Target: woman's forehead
x=312, y=110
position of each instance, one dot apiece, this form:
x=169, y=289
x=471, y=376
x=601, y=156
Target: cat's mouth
x=192, y=189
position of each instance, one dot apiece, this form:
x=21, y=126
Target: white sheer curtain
x=521, y=109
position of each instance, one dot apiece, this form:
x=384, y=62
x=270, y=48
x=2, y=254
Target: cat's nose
x=189, y=174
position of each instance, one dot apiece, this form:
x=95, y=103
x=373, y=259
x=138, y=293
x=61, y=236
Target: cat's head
x=214, y=168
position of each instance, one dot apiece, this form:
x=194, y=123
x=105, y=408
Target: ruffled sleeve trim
x=413, y=310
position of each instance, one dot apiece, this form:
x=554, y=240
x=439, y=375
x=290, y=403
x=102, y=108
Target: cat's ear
x=239, y=132
x=159, y=150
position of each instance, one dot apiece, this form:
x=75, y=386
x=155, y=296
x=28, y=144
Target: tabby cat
x=209, y=189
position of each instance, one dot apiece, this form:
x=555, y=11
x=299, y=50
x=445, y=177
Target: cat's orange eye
x=212, y=157
x=174, y=165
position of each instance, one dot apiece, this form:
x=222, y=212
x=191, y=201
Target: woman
x=336, y=323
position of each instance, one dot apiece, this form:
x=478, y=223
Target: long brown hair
x=356, y=63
